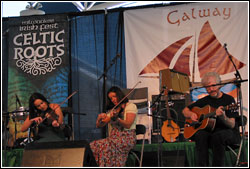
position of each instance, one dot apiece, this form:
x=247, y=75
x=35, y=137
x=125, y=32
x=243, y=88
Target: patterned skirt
x=113, y=150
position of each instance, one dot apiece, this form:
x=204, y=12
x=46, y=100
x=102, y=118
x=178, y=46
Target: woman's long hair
x=33, y=111
x=119, y=94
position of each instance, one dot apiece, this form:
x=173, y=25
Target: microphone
x=225, y=47
x=159, y=96
x=17, y=99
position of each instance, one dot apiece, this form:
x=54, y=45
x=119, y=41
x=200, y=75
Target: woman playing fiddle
x=113, y=150
x=45, y=118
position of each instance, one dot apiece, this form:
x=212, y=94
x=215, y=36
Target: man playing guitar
x=225, y=129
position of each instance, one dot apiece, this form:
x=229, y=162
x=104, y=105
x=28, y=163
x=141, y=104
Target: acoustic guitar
x=206, y=119
x=169, y=130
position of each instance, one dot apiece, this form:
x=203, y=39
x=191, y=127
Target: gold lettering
x=227, y=14
x=204, y=13
x=216, y=12
x=185, y=17
x=169, y=21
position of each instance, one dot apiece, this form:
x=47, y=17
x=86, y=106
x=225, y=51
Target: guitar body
x=170, y=130
x=203, y=122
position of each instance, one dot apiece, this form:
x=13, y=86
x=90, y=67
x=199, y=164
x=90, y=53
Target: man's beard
x=214, y=95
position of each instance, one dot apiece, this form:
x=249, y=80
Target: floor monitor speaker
x=58, y=154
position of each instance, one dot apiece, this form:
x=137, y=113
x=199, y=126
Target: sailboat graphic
x=211, y=56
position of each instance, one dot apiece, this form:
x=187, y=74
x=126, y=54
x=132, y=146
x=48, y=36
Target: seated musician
x=44, y=119
x=113, y=150
x=225, y=130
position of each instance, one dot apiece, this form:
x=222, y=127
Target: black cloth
x=220, y=136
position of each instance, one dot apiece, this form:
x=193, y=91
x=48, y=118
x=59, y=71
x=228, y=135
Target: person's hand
x=38, y=120
x=220, y=111
x=101, y=117
x=194, y=117
x=55, y=123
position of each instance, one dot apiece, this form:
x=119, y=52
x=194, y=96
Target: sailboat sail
x=182, y=64
x=211, y=54
x=163, y=60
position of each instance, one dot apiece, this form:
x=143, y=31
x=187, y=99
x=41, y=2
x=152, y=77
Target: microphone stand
x=14, y=118
x=239, y=99
x=158, y=119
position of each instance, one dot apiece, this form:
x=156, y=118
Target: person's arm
x=189, y=114
x=27, y=123
x=229, y=122
x=128, y=121
x=130, y=111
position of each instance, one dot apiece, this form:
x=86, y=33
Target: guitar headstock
x=234, y=107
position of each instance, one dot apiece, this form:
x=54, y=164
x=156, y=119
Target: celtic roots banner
x=38, y=58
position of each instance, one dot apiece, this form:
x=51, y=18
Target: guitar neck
x=167, y=106
x=228, y=107
x=209, y=114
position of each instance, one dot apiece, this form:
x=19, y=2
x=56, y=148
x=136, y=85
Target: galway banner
x=38, y=59
x=190, y=38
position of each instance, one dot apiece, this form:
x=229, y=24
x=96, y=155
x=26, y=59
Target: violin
x=51, y=116
x=119, y=111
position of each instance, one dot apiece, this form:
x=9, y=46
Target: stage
x=173, y=155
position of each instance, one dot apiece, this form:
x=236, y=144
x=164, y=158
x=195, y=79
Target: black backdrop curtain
x=96, y=45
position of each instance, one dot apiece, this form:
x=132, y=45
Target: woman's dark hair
x=119, y=94
x=33, y=111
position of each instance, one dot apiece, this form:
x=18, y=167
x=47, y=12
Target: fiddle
x=118, y=112
x=52, y=116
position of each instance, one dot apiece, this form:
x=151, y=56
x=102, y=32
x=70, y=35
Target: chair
x=233, y=148
x=68, y=120
x=140, y=130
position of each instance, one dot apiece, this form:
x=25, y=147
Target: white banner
x=189, y=38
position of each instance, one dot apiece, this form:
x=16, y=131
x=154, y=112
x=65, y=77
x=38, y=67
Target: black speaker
x=176, y=102
x=167, y=159
x=58, y=154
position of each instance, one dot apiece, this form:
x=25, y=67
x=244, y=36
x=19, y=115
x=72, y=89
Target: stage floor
x=178, y=154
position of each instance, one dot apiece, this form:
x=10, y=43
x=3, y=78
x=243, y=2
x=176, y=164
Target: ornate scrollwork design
x=39, y=66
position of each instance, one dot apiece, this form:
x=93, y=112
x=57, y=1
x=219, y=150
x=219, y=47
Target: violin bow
x=126, y=95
